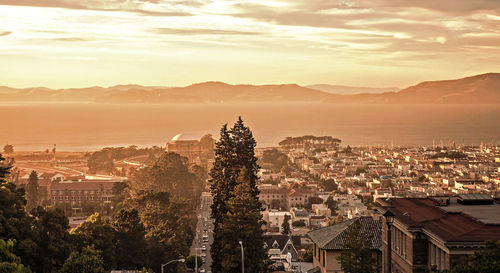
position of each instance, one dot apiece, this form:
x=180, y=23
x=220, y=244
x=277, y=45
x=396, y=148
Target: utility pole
x=242, y=258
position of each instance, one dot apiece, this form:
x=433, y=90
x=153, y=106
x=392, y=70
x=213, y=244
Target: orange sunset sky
x=378, y=43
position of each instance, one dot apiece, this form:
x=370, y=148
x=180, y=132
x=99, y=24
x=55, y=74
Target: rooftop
x=184, y=137
x=452, y=223
x=333, y=236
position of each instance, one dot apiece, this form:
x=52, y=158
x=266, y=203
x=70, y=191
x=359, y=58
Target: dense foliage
x=32, y=195
x=309, y=138
x=236, y=165
x=148, y=228
x=9, y=262
x=87, y=261
x=8, y=149
x=285, y=226
x=170, y=173
x=486, y=260
x=276, y=159
x=103, y=160
x=243, y=222
x=357, y=255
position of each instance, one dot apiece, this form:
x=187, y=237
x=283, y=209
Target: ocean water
x=87, y=127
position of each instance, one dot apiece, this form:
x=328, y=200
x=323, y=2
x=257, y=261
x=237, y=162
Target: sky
x=375, y=43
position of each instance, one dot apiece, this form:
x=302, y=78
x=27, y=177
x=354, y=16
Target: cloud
x=44, y=3
x=71, y=39
x=201, y=31
x=137, y=6
x=454, y=7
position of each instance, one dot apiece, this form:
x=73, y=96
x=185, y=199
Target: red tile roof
x=449, y=226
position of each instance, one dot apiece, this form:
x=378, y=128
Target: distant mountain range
x=350, y=90
x=479, y=89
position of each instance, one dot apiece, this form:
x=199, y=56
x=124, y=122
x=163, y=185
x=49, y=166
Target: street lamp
x=389, y=219
x=242, y=258
x=179, y=260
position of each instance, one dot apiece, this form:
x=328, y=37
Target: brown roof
x=300, y=192
x=273, y=191
x=334, y=236
x=449, y=226
x=83, y=185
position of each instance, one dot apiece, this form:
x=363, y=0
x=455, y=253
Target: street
x=204, y=233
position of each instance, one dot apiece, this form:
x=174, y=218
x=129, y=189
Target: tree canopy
x=88, y=260
x=32, y=195
x=243, y=222
x=486, y=260
x=356, y=256
x=235, y=164
x=9, y=262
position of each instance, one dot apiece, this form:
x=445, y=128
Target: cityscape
x=228, y=136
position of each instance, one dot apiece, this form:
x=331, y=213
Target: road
x=204, y=233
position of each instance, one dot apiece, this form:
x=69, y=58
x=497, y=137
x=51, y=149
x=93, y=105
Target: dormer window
x=276, y=245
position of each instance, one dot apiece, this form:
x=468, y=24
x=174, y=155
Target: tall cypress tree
x=243, y=222
x=32, y=191
x=233, y=152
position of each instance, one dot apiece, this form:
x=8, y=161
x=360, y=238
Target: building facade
x=436, y=232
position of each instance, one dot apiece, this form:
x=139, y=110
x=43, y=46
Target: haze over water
x=87, y=127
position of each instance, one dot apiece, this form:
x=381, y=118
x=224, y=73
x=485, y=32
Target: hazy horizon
x=87, y=127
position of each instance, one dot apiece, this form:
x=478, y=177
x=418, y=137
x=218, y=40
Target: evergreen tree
x=234, y=151
x=32, y=191
x=285, y=227
x=8, y=149
x=357, y=255
x=243, y=222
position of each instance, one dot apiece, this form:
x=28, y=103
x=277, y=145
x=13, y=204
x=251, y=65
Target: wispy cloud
x=306, y=40
x=138, y=6
x=5, y=33
x=202, y=31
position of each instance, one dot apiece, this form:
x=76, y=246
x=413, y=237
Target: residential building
x=328, y=243
x=78, y=192
x=437, y=231
x=279, y=246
